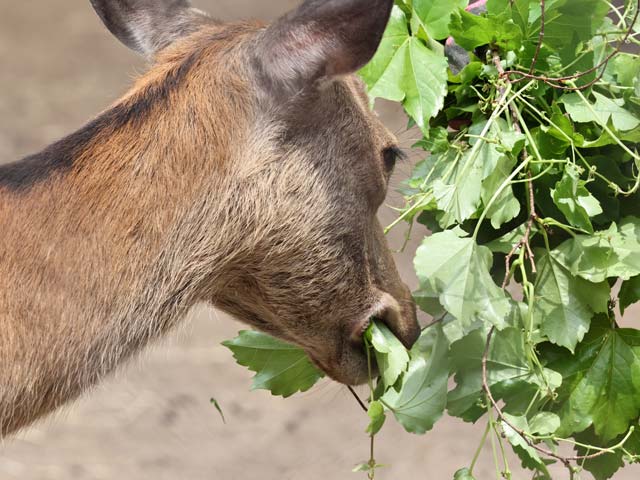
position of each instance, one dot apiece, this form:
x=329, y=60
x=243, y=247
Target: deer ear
x=321, y=39
x=148, y=26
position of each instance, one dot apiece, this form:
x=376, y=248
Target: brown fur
x=195, y=186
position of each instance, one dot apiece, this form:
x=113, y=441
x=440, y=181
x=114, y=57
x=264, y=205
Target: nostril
x=403, y=324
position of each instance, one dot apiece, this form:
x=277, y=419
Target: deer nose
x=400, y=318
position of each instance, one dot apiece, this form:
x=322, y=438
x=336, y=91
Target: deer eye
x=391, y=155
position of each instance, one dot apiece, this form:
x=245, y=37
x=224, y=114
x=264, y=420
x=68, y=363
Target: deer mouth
x=351, y=365
x=349, y=362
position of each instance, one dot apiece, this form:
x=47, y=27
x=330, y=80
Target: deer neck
x=107, y=242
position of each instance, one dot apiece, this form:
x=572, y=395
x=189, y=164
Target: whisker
x=357, y=397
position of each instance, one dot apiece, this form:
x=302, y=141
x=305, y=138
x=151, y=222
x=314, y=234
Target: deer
x=244, y=170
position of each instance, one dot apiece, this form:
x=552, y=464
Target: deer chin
x=352, y=368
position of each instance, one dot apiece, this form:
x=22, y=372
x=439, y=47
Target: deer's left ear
x=148, y=26
x=321, y=39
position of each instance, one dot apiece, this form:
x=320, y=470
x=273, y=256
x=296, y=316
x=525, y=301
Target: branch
x=525, y=243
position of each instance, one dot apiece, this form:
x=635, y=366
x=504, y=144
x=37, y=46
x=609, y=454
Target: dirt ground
x=153, y=420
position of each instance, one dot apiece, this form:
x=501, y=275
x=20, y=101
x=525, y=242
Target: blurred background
x=59, y=67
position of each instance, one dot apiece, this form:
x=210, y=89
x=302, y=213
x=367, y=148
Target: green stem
x=611, y=449
x=497, y=194
x=416, y=206
x=553, y=222
x=493, y=439
x=527, y=133
x=615, y=187
x=476, y=456
x=506, y=473
x=532, y=403
x=372, y=459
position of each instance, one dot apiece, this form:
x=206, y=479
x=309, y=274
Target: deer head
x=309, y=168
x=245, y=169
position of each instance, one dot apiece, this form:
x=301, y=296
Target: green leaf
x=565, y=303
x=367, y=467
x=391, y=356
x=471, y=31
x=582, y=20
x=217, y=406
x=434, y=16
x=458, y=194
x=507, y=367
x=544, y=423
x=629, y=293
x=422, y=397
x=506, y=207
x=603, y=382
x=377, y=417
x=463, y=474
x=505, y=243
x=362, y=467
x=605, y=466
x=611, y=253
x=519, y=11
x=575, y=201
x=406, y=70
x=521, y=447
x=456, y=271
x=470, y=176
x=394, y=37
x=603, y=110
x=567, y=24
x=438, y=142
x=280, y=367
x=627, y=69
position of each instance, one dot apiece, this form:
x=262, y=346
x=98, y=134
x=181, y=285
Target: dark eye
x=390, y=156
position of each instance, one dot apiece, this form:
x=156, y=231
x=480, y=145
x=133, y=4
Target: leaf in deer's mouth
x=411, y=384
x=391, y=356
x=280, y=367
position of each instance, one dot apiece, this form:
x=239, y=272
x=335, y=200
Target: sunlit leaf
x=614, y=252
x=406, y=70
x=575, y=201
x=566, y=303
x=456, y=271
x=391, y=356
x=602, y=111
x=434, y=16
x=280, y=367
x=629, y=293
x=377, y=417
x=422, y=397
x=604, y=386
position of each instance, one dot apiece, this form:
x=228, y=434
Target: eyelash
x=391, y=155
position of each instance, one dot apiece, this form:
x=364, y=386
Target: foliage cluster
x=532, y=191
